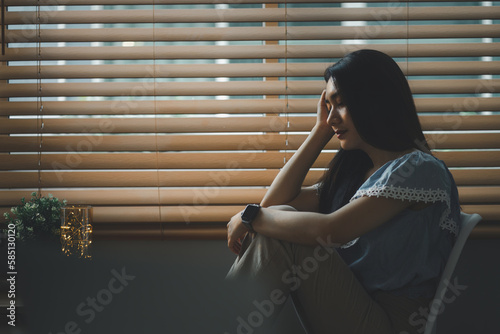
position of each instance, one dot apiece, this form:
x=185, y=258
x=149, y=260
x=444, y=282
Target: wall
x=177, y=287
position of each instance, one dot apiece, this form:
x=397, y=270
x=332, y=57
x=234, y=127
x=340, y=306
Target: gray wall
x=177, y=287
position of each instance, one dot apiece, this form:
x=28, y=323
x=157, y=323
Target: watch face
x=250, y=212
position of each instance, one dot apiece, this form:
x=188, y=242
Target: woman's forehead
x=331, y=89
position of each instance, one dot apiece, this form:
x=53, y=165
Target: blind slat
x=169, y=160
x=61, y=178
x=171, y=2
x=487, y=212
x=247, y=52
x=88, y=143
x=305, y=87
x=169, y=214
x=482, y=176
x=231, y=70
x=270, y=159
x=223, y=124
x=194, y=214
x=144, y=196
x=120, y=107
x=252, y=33
x=254, y=15
x=483, y=195
x=223, y=214
x=144, y=179
x=199, y=195
x=209, y=214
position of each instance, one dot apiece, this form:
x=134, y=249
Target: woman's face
x=340, y=120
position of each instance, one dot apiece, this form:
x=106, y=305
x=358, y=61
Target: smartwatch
x=249, y=214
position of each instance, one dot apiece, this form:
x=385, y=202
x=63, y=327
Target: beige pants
x=327, y=296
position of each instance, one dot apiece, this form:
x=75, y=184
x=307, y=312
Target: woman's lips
x=340, y=133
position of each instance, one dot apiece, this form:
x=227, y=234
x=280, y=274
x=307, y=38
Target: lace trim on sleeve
x=317, y=187
x=350, y=243
x=411, y=194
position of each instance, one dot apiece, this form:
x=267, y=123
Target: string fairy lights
x=76, y=230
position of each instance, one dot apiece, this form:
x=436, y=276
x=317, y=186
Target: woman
x=385, y=199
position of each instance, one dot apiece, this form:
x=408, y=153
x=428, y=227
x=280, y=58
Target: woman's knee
x=261, y=241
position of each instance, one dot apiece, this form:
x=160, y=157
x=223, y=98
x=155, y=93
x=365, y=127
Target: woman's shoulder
x=417, y=158
x=416, y=176
x=416, y=165
x=414, y=172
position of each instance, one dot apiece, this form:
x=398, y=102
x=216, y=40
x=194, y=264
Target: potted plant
x=37, y=219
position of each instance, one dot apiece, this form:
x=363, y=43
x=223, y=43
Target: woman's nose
x=333, y=117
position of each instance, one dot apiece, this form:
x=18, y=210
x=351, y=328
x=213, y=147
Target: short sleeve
x=416, y=176
x=317, y=187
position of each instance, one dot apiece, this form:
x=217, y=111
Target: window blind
x=169, y=116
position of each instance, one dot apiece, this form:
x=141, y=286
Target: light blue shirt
x=406, y=255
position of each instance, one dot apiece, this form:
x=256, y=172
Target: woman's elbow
x=265, y=203
x=283, y=207
x=331, y=234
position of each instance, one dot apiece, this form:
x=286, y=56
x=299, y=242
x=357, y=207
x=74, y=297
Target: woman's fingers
x=235, y=246
x=233, y=239
x=322, y=108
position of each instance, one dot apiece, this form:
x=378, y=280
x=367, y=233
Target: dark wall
x=178, y=287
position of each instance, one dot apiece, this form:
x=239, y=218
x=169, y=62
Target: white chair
x=467, y=223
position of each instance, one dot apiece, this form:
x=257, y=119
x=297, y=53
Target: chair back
x=466, y=225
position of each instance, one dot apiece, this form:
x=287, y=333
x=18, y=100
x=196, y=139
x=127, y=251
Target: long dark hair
x=380, y=103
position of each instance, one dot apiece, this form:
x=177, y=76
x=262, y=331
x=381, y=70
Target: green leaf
x=38, y=218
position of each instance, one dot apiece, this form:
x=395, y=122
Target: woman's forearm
x=343, y=225
x=287, y=185
x=304, y=228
